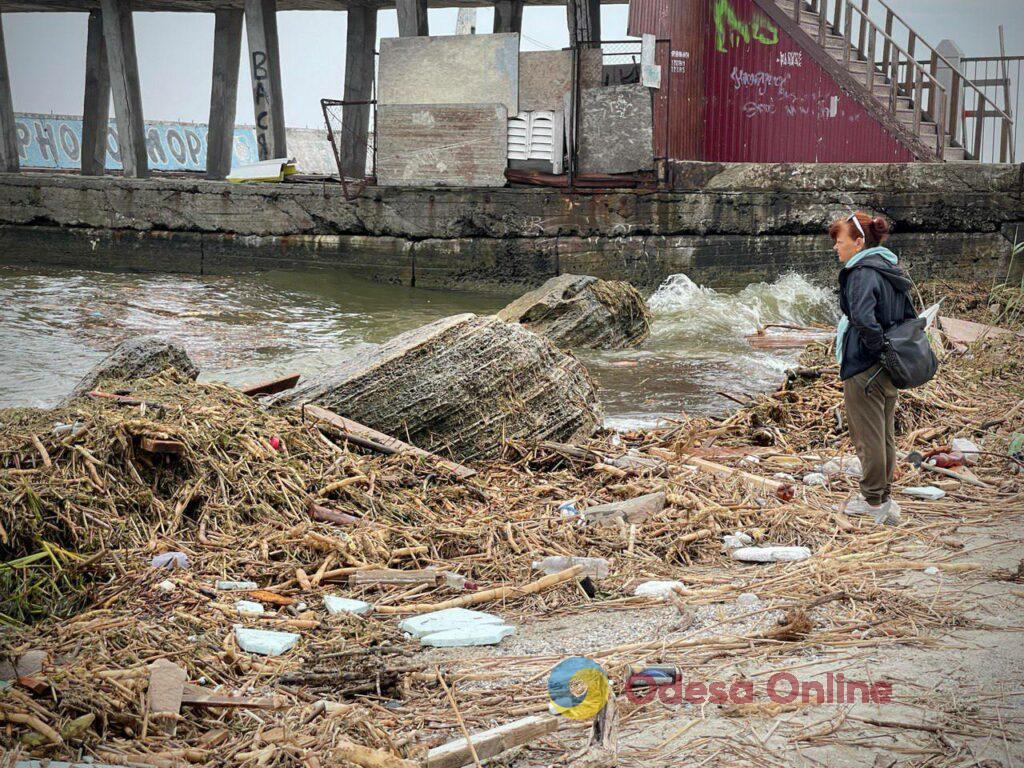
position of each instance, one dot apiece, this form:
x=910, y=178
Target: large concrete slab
x=616, y=130
x=458, y=69
x=545, y=77
x=451, y=145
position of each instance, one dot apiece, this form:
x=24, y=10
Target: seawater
x=55, y=323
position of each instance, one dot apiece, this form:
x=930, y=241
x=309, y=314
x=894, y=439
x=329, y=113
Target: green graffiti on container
x=730, y=28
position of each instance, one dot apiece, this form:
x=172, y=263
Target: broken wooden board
x=325, y=515
x=195, y=696
x=754, y=482
x=631, y=510
x=273, y=386
x=785, y=340
x=491, y=743
x=375, y=440
x=166, y=685
x=393, y=576
x=162, y=445
x=966, y=332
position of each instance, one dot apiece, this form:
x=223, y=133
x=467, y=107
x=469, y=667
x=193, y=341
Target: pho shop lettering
x=55, y=141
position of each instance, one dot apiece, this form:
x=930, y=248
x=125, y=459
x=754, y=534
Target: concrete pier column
x=584, y=20
x=8, y=133
x=508, y=16
x=96, y=109
x=360, y=41
x=227, y=51
x=265, y=65
x=412, y=18
x=119, y=32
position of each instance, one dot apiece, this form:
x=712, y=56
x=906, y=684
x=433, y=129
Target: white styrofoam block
x=264, y=641
x=338, y=605
x=442, y=621
x=771, y=554
x=471, y=634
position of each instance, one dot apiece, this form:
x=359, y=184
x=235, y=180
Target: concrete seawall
x=723, y=225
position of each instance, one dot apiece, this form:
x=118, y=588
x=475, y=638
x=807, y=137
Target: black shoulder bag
x=907, y=354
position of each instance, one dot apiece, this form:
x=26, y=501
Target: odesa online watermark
x=579, y=689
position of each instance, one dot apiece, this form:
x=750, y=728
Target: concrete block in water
x=264, y=641
x=616, y=130
x=461, y=385
x=457, y=69
x=339, y=605
x=448, y=145
x=136, y=359
x=583, y=311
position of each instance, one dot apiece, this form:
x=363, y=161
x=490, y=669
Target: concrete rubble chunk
x=136, y=359
x=264, y=641
x=657, y=588
x=462, y=384
x=631, y=510
x=340, y=605
x=771, y=554
x=583, y=311
x=594, y=567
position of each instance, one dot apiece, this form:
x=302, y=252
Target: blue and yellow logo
x=578, y=688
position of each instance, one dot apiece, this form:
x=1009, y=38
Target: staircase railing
x=893, y=49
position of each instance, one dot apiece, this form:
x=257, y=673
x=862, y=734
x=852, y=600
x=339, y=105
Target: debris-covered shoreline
x=291, y=512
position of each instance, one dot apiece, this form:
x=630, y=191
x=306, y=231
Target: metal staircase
x=938, y=112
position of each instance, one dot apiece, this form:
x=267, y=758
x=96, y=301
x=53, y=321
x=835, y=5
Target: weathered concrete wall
x=545, y=77
x=616, y=133
x=733, y=224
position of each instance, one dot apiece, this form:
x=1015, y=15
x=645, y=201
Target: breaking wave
x=681, y=307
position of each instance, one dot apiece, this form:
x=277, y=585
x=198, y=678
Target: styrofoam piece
x=656, y=588
x=265, y=642
x=595, y=567
x=929, y=492
x=170, y=560
x=737, y=540
x=771, y=554
x=968, y=448
x=442, y=621
x=815, y=478
x=338, y=605
x=249, y=608
x=470, y=634
x=236, y=586
x=748, y=600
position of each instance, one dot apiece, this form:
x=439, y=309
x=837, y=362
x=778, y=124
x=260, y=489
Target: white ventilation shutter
x=537, y=136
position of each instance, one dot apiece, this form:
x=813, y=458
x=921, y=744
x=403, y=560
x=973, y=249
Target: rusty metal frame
x=325, y=106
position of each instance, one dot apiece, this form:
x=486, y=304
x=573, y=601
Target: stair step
x=954, y=153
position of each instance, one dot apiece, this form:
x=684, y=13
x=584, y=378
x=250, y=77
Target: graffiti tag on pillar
x=261, y=100
x=730, y=29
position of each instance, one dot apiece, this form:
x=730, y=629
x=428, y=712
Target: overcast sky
x=46, y=52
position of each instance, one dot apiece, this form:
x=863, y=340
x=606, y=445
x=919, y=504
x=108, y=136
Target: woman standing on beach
x=873, y=296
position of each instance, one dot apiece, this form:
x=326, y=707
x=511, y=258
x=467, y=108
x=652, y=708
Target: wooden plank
x=967, y=332
x=96, y=109
x=227, y=53
x=360, y=61
x=199, y=697
x=265, y=71
x=273, y=386
x=583, y=18
x=491, y=743
x=8, y=129
x=726, y=473
x=381, y=576
x=631, y=510
x=325, y=515
x=353, y=429
x=119, y=31
x=166, y=686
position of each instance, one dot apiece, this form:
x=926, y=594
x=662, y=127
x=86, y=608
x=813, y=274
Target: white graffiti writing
x=791, y=59
x=762, y=81
x=754, y=109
